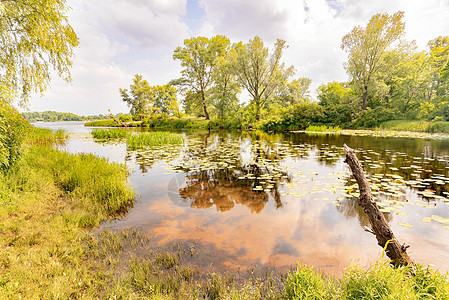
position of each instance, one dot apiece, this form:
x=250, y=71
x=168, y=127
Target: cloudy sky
x=120, y=38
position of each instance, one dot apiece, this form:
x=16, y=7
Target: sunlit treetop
x=35, y=39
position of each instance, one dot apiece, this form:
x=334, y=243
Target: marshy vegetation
x=138, y=140
x=153, y=138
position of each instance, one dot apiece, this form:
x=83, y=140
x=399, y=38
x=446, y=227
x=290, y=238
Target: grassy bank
x=419, y=126
x=46, y=199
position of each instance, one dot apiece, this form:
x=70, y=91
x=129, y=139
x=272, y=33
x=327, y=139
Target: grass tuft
x=155, y=138
x=109, y=134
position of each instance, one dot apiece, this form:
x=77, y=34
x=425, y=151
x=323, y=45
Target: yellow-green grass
x=46, y=199
x=417, y=125
x=105, y=123
x=381, y=281
x=109, y=133
x=323, y=128
x=154, y=138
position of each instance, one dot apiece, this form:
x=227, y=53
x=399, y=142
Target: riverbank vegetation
x=389, y=80
x=53, y=116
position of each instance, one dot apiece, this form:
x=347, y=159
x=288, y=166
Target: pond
x=246, y=199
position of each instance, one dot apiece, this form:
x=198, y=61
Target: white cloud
x=121, y=38
x=145, y=23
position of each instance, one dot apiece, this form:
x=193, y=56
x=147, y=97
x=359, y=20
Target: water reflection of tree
x=350, y=208
x=220, y=185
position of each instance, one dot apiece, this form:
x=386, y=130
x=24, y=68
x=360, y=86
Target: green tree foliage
x=259, y=72
x=366, y=48
x=296, y=117
x=12, y=130
x=225, y=89
x=439, y=57
x=339, y=102
x=296, y=91
x=145, y=100
x=53, y=116
x=192, y=103
x=166, y=99
x=140, y=98
x=35, y=37
x=199, y=58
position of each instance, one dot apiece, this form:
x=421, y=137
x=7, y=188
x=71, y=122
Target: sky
x=121, y=38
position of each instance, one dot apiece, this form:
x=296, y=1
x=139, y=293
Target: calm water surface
x=252, y=199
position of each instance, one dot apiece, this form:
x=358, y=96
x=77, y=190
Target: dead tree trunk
x=379, y=226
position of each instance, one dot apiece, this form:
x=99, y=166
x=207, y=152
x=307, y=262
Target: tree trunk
x=379, y=226
x=204, y=106
x=257, y=110
x=365, y=98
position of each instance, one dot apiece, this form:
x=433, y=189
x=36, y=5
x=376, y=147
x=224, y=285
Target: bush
x=12, y=130
x=125, y=118
x=372, y=118
x=294, y=118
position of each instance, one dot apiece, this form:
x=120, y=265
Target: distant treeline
x=53, y=116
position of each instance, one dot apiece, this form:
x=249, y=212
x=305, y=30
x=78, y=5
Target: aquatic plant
x=109, y=133
x=153, y=138
x=323, y=128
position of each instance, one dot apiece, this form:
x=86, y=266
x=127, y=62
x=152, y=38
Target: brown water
x=252, y=199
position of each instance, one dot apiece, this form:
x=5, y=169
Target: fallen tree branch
x=379, y=226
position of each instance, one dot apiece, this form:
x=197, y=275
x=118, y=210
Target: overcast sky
x=120, y=38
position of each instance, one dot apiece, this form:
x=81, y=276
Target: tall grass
x=44, y=136
x=46, y=198
x=109, y=134
x=420, y=126
x=381, y=281
x=106, y=122
x=155, y=138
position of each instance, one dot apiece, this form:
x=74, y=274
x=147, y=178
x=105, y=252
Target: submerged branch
x=379, y=226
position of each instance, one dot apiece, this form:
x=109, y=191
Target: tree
x=295, y=92
x=258, y=71
x=438, y=58
x=366, y=47
x=166, y=99
x=35, y=37
x=140, y=98
x=198, y=59
x=338, y=103
x=225, y=89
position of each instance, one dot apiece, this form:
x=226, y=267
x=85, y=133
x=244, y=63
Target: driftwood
x=379, y=226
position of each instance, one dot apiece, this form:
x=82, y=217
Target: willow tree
x=258, y=71
x=35, y=38
x=366, y=47
x=199, y=58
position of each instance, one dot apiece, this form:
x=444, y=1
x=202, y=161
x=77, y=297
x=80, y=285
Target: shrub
x=125, y=118
x=12, y=130
x=296, y=117
x=372, y=118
